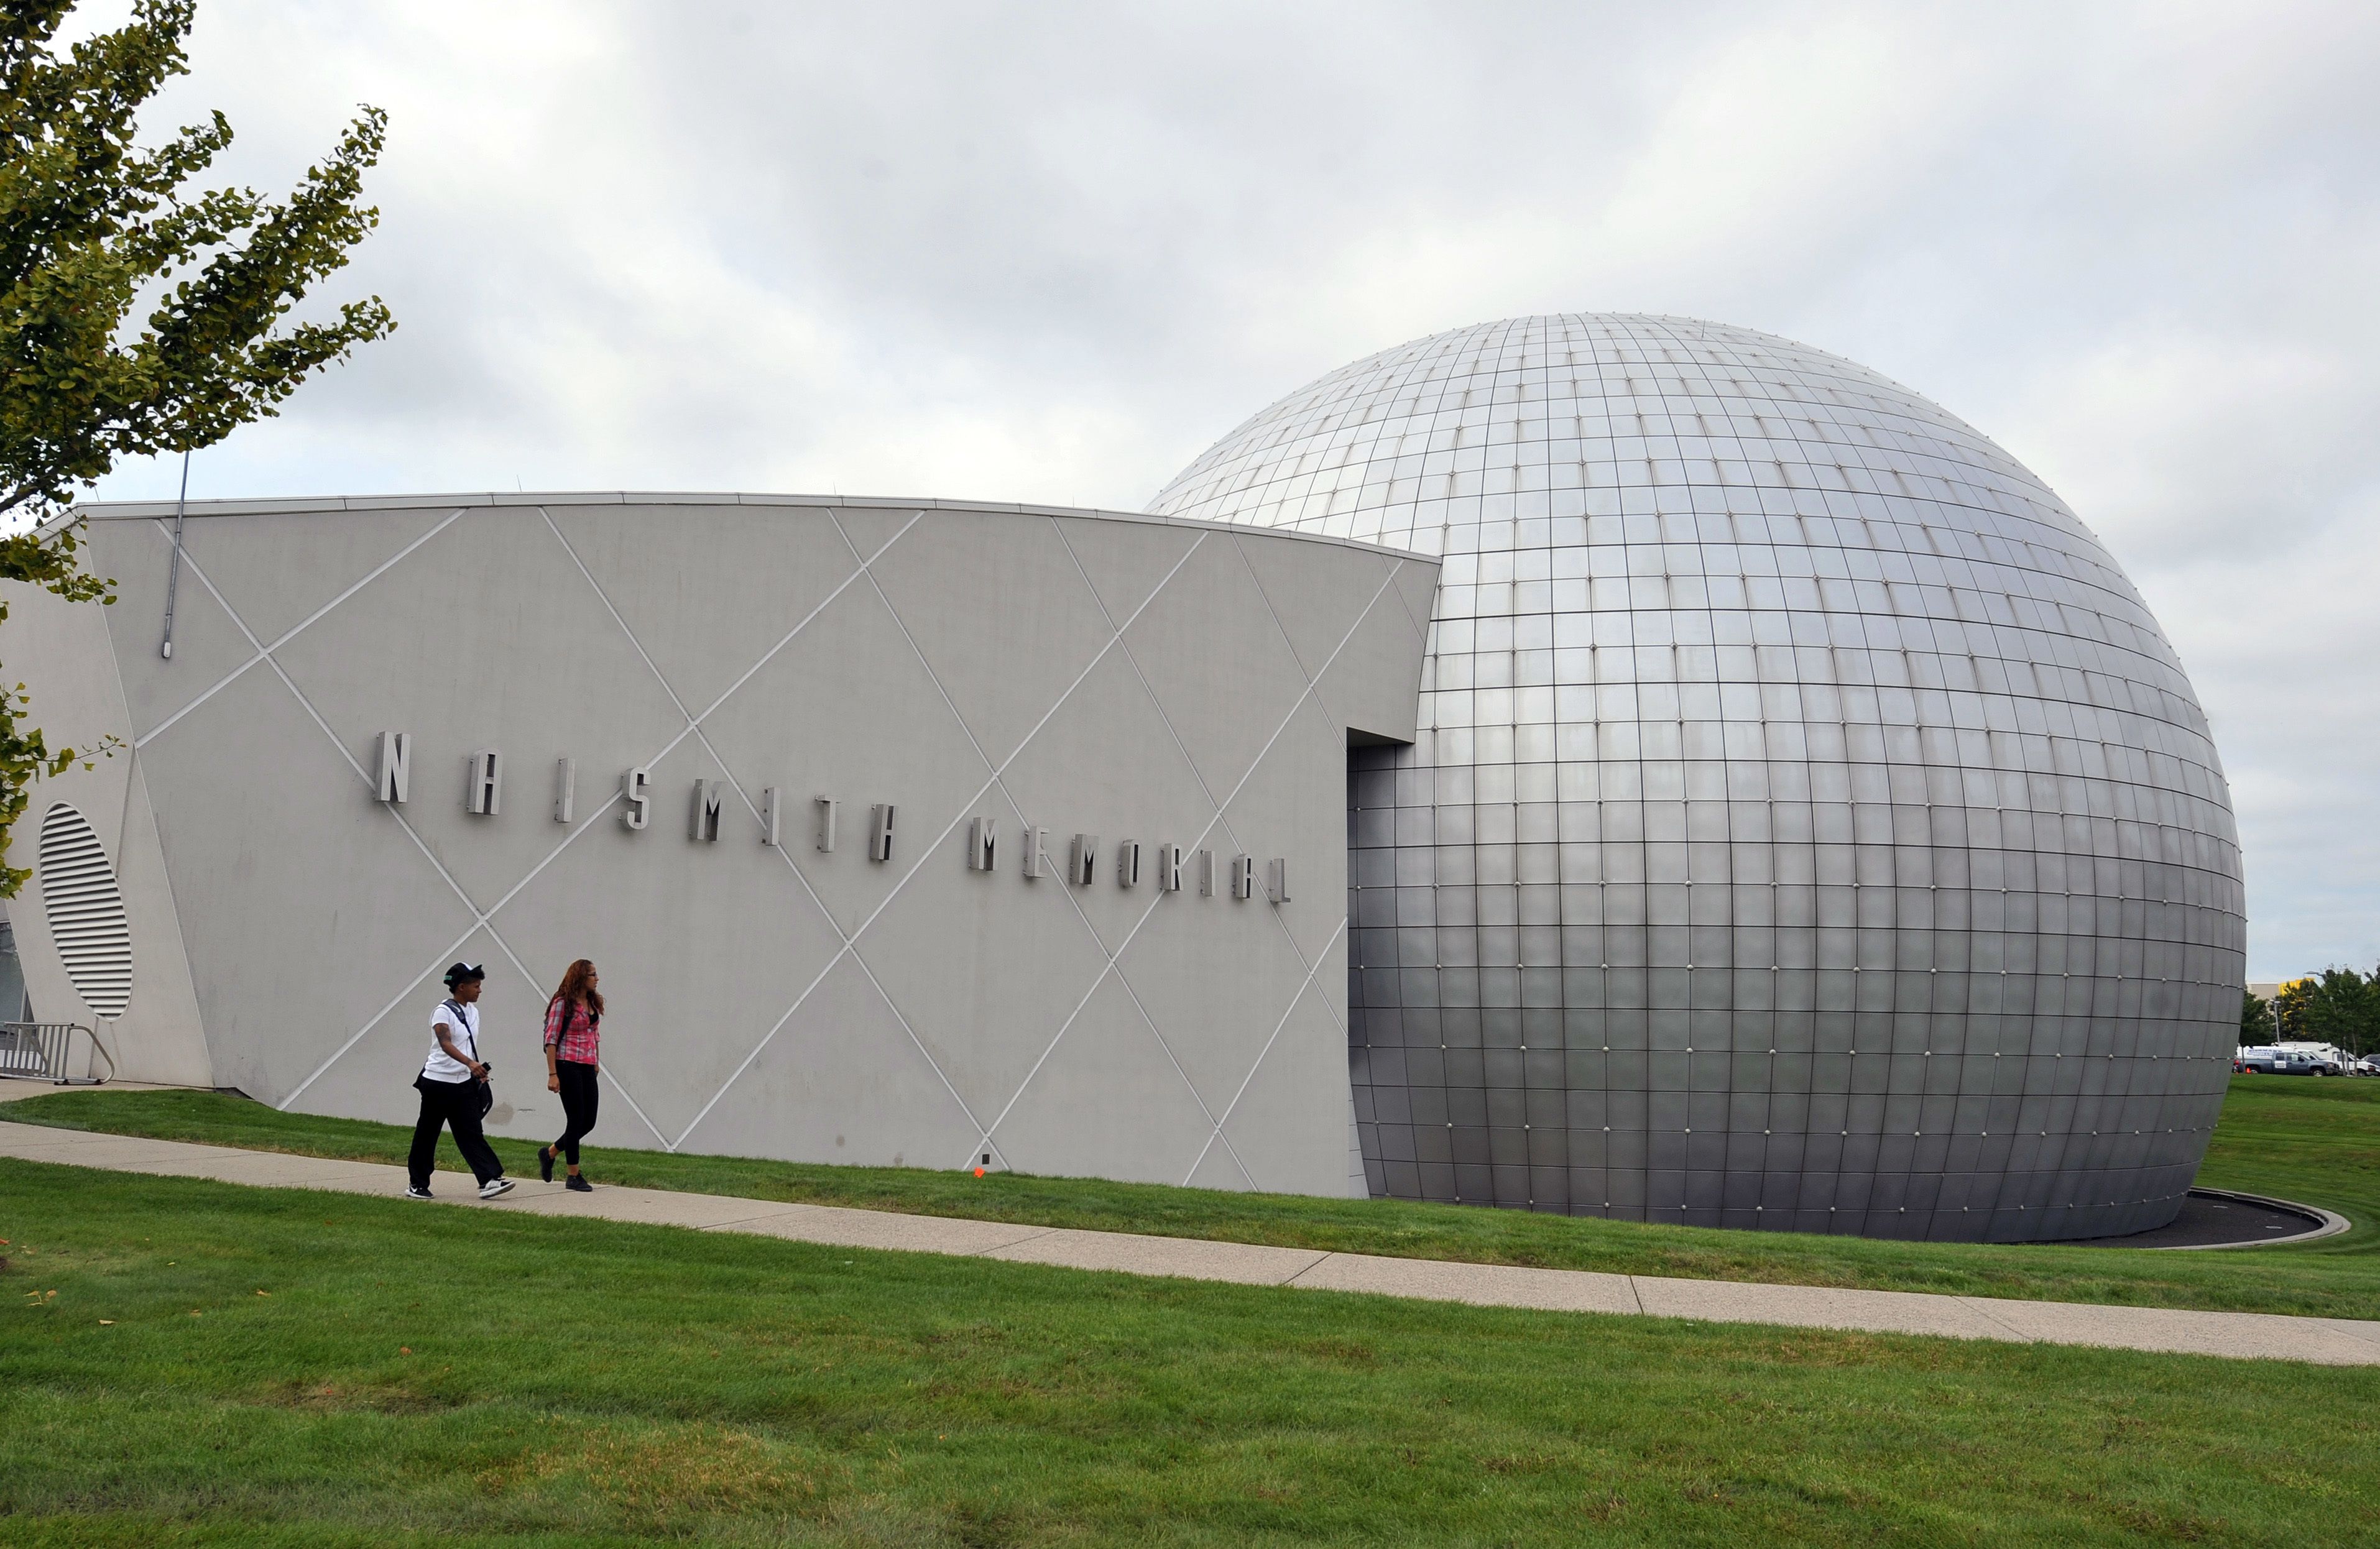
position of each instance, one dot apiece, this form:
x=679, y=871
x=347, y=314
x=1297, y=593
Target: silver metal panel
x=1809, y=825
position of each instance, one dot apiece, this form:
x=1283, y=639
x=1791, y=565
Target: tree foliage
x=93, y=228
x=2337, y=1006
x=2255, y=1019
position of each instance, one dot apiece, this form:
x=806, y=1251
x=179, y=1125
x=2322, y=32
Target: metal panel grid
x=1811, y=828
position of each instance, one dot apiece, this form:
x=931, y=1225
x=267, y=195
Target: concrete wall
x=64, y=654
x=1125, y=677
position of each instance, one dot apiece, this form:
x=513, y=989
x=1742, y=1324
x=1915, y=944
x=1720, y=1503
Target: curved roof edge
x=135, y=510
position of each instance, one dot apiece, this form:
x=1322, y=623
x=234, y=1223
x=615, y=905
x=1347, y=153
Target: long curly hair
x=575, y=987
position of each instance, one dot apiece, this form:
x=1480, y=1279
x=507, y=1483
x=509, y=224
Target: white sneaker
x=493, y=1187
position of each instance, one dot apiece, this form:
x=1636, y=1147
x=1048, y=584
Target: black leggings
x=578, y=1091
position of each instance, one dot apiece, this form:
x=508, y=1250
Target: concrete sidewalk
x=2326, y=1341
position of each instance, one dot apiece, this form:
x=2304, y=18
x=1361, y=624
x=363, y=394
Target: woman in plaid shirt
x=571, y=1020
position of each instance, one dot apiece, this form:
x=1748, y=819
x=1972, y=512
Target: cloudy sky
x=1049, y=254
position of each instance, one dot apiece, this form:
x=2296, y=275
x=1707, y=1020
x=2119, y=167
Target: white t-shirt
x=464, y=1037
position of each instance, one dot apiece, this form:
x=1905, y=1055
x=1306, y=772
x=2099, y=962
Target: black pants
x=579, y=1093
x=455, y=1103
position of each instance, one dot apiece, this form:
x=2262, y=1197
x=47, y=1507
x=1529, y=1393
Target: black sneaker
x=493, y=1187
x=578, y=1185
x=412, y=1194
x=545, y=1164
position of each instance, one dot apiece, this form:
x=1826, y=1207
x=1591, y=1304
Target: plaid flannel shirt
x=570, y=1032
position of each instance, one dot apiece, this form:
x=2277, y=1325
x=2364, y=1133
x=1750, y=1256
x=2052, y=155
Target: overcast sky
x=1050, y=254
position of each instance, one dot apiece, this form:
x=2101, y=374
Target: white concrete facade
x=1129, y=680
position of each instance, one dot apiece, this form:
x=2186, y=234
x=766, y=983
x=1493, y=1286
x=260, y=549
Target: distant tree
x=2255, y=1019
x=91, y=225
x=2337, y=1006
x=2289, y=1006
x=2288, y=1000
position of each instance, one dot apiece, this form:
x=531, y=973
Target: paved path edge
x=2243, y=1336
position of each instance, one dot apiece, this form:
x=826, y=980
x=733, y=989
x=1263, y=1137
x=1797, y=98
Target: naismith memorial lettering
x=1078, y=860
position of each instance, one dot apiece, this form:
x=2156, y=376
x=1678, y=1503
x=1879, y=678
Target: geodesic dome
x=1810, y=828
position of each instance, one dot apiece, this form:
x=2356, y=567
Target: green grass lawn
x=2304, y=1139
x=188, y=1362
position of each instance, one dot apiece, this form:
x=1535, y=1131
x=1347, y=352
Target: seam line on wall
x=1115, y=638
x=919, y=864
x=264, y=651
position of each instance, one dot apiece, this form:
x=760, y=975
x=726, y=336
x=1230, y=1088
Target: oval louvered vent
x=86, y=911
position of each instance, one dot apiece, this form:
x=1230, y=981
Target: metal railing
x=44, y=1051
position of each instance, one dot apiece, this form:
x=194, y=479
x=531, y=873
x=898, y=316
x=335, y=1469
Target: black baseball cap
x=463, y=971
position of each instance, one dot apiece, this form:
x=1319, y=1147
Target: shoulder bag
x=485, y=1090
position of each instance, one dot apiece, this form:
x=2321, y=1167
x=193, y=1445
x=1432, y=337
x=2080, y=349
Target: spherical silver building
x=1810, y=827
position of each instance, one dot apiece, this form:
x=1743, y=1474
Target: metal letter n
x=395, y=765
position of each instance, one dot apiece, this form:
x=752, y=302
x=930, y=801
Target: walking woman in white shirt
x=451, y=1090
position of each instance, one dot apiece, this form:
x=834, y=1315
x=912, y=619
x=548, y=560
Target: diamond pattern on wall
x=1150, y=773
x=840, y=1055
x=523, y=679
x=1062, y=1123
x=1126, y=561
x=1047, y=625
x=769, y=733
x=707, y=602
x=277, y=571
x=1209, y=646
x=1155, y=644
x=743, y=921
x=210, y=650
